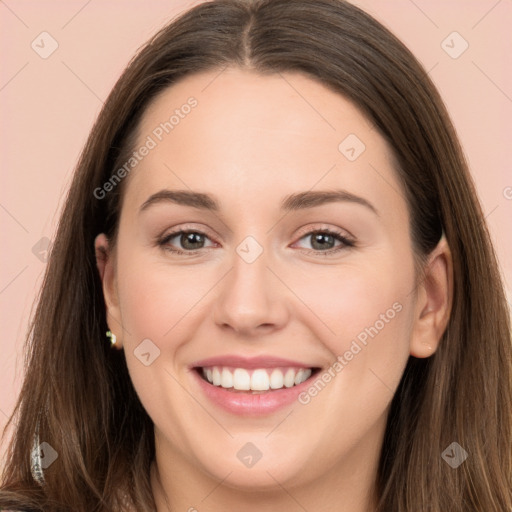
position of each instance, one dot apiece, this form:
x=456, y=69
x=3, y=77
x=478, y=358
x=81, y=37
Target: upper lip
x=249, y=362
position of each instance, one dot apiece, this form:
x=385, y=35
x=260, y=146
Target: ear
x=106, y=269
x=434, y=302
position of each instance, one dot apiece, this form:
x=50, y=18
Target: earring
x=113, y=338
x=36, y=466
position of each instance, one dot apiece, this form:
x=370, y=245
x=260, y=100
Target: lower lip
x=247, y=404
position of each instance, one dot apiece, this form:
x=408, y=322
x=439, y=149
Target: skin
x=251, y=141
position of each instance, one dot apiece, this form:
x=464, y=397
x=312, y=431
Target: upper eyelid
x=185, y=229
x=310, y=230
x=205, y=231
x=307, y=231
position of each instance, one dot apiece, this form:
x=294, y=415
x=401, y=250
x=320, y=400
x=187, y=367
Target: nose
x=252, y=300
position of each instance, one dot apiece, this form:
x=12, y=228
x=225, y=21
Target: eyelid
x=307, y=230
x=346, y=242
x=343, y=236
x=188, y=227
x=163, y=239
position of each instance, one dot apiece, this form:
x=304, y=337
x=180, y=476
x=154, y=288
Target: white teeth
x=302, y=375
x=241, y=379
x=260, y=379
x=216, y=378
x=226, y=379
x=276, y=379
x=289, y=378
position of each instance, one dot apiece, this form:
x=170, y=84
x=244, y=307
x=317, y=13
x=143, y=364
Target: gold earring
x=113, y=338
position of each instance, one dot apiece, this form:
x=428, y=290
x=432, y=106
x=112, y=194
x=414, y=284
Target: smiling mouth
x=255, y=381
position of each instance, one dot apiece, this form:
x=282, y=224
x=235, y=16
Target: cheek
x=156, y=304
x=365, y=317
x=371, y=315
x=359, y=301
x=155, y=298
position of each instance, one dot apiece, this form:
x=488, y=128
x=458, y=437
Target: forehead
x=247, y=136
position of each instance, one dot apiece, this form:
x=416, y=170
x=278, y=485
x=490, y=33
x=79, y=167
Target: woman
x=241, y=370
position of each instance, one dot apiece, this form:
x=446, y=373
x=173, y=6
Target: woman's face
x=252, y=295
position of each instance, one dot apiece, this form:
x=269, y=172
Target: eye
x=189, y=240
x=324, y=240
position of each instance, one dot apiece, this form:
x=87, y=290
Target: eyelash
x=345, y=242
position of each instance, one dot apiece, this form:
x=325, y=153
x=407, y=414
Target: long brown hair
x=79, y=391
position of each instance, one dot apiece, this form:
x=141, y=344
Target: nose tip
x=251, y=301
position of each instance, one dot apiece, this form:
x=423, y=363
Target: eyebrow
x=293, y=202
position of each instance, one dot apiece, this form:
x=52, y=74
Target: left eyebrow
x=311, y=198
x=293, y=202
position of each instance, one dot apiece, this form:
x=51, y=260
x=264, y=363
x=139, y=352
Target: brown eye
x=192, y=241
x=184, y=241
x=324, y=241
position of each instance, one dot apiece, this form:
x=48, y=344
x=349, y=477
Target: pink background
x=48, y=107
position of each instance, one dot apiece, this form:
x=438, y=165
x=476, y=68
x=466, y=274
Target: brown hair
x=79, y=391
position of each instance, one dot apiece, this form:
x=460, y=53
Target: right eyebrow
x=183, y=197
